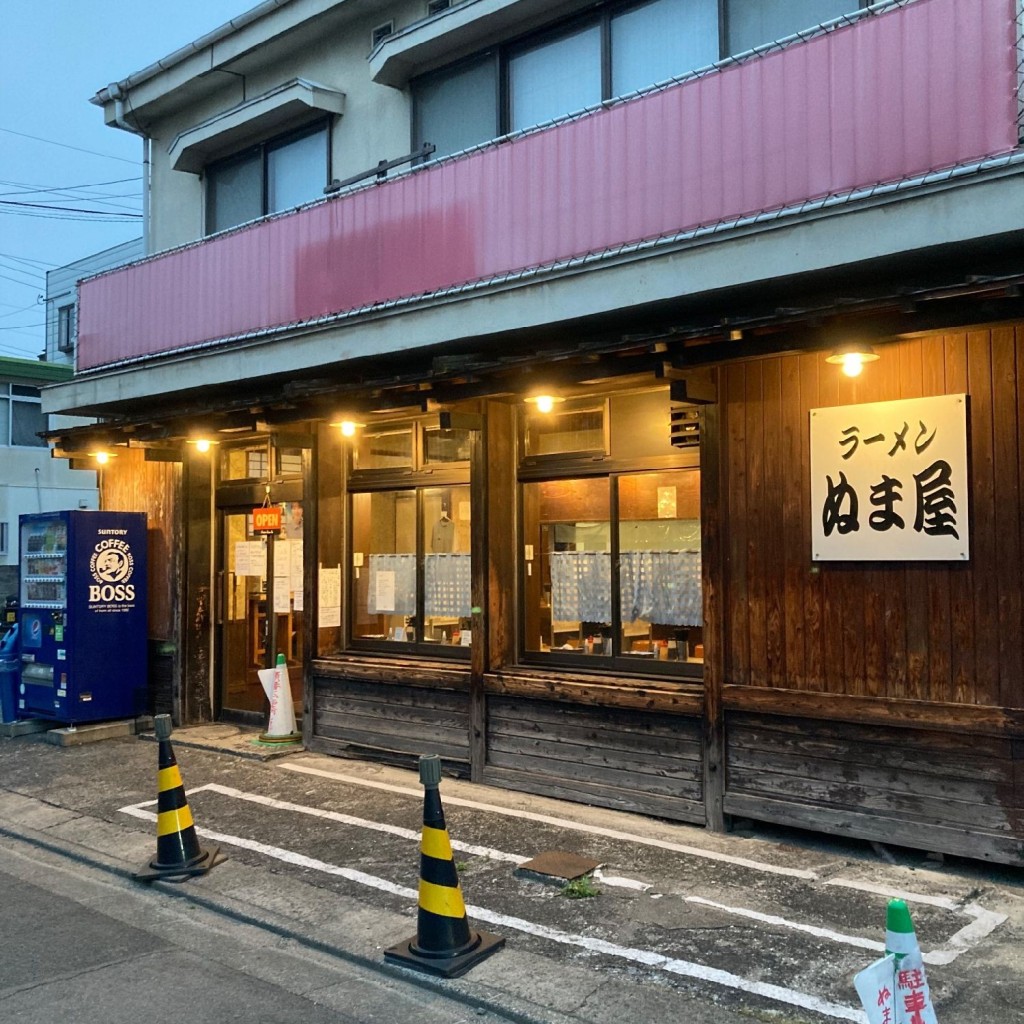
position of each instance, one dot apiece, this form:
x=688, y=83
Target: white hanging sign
x=889, y=481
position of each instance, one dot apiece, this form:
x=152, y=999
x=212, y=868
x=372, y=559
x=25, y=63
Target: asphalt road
x=758, y=925
x=82, y=946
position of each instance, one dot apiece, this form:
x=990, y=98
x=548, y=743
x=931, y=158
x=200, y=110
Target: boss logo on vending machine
x=111, y=567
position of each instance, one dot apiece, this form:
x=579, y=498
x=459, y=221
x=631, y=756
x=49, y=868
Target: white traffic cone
x=281, y=728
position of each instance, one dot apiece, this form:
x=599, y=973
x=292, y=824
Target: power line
x=64, y=209
x=16, y=310
x=100, y=217
x=27, y=188
x=36, y=272
x=22, y=327
x=25, y=259
x=24, y=284
x=64, y=145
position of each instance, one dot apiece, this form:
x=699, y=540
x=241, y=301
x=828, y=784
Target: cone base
x=483, y=944
x=288, y=737
x=206, y=860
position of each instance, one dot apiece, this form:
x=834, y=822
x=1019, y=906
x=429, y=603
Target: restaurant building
x=532, y=319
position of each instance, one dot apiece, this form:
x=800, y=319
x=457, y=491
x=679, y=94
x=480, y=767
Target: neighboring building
x=30, y=480
x=604, y=521
x=62, y=297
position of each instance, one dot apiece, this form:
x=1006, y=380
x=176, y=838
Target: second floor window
x=21, y=417
x=620, y=48
x=66, y=328
x=273, y=176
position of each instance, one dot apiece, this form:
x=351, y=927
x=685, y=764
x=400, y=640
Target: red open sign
x=266, y=519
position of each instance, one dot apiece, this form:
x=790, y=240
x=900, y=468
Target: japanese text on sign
x=889, y=481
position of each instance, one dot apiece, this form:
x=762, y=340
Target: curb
x=236, y=910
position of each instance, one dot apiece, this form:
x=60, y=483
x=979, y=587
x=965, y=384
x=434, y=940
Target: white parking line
x=982, y=923
x=649, y=958
x=564, y=823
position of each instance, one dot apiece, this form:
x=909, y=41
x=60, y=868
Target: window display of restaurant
x=665, y=456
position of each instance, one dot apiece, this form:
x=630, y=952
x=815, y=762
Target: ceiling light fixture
x=852, y=356
x=544, y=403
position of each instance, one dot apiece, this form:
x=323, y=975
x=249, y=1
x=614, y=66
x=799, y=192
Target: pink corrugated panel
x=918, y=88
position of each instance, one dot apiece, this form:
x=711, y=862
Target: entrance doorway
x=262, y=602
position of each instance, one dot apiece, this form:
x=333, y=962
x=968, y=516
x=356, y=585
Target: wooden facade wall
x=393, y=712
x=130, y=484
x=612, y=757
x=940, y=632
x=876, y=700
x=133, y=485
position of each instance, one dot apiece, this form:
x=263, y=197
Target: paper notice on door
x=385, y=591
x=250, y=558
x=282, y=595
x=330, y=596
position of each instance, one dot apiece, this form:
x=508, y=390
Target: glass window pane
x=5, y=421
x=386, y=448
x=662, y=39
x=569, y=427
x=567, y=566
x=459, y=108
x=384, y=566
x=27, y=420
x=447, y=597
x=755, y=22
x=296, y=171
x=289, y=461
x=659, y=566
x=555, y=78
x=234, y=192
x=445, y=446
x=250, y=462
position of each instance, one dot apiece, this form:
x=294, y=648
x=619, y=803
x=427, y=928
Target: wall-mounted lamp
x=202, y=443
x=852, y=356
x=102, y=457
x=348, y=427
x=544, y=403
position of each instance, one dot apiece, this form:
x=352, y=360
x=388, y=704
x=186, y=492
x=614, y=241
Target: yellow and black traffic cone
x=443, y=944
x=178, y=855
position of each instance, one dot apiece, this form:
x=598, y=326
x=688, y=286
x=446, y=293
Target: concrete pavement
x=756, y=925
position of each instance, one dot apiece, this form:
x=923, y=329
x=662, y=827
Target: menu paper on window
x=385, y=593
x=330, y=596
x=282, y=595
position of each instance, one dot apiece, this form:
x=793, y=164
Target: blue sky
x=54, y=147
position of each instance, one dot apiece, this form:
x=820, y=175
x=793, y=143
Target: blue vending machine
x=82, y=612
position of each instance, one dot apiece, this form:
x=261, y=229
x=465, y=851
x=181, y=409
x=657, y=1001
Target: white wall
x=376, y=125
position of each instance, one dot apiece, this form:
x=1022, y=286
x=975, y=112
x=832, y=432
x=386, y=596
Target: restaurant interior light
x=544, y=403
x=852, y=356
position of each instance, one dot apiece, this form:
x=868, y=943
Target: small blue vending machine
x=82, y=612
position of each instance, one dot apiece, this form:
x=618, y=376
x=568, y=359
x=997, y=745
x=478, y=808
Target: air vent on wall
x=684, y=426
x=380, y=33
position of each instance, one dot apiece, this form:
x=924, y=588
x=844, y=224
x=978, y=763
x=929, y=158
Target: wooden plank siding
x=878, y=700
x=944, y=790
x=134, y=485
x=390, y=722
x=928, y=631
x=629, y=760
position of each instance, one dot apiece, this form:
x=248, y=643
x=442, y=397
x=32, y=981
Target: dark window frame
x=261, y=150
x=67, y=327
x=421, y=476
x=23, y=395
x=567, y=466
x=602, y=14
